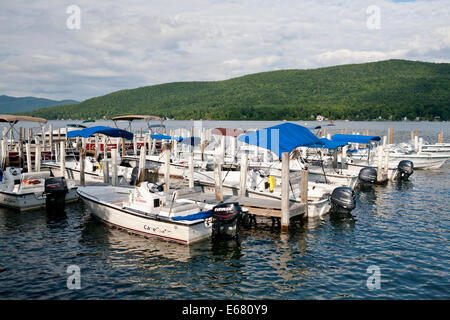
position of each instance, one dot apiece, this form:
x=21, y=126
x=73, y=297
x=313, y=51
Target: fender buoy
x=31, y=181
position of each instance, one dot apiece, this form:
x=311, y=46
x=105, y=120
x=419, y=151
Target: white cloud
x=137, y=43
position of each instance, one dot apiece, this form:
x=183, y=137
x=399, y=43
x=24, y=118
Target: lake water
x=403, y=229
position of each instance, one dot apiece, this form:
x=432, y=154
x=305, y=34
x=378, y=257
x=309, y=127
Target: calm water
x=404, y=229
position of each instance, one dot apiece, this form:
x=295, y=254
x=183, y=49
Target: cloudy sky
x=128, y=44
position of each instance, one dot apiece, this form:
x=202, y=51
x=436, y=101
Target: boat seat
x=36, y=175
x=180, y=207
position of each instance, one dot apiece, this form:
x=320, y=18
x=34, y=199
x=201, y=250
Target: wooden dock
x=258, y=207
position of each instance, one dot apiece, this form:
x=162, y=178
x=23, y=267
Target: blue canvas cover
x=194, y=216
x=165, y=137
x=329, y=144
x=193, y=141
x=107, y=131
x=355, y=138
x=281, y=138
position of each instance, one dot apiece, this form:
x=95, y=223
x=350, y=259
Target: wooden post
x=285, y=216
x=218, y=179
x=105, y=169
x=134, y=146
x=380, y=164
x=62, y=158
x=344, y=157
x=386, y=161
x=142, y=155
x=50, y=139
x=3, y=152
x=203, y=146
x=28, y=150
x=43, y=137
x=191, y=170
x=420, y=144
x=20, y=143
x=123, y=147
x=114, y=166
x=243, y=175
x=417, y=132
x=82, y=175
x=167, y=169
x=105, y=148
x=304, y=190
x=392, y=135
x=37, y=157
x=412, y=136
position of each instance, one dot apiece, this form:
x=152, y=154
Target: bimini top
x=107, y=131
x=227, y=132
x=136, y=117
x=281, y=138
x=165, y=137
x=355, y=138
x=186, y=140
x=328, y=144
x=14, y=119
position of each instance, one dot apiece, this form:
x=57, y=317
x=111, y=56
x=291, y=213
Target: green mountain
x=13, y=105
x=388, y=89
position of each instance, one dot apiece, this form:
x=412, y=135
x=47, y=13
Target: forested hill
x=13, y=105
x=388, y=89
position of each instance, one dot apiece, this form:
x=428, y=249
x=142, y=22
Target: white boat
x=421, y=160
x=26, y=191
x=93, y=170
x=146, y=212
x=257, y=187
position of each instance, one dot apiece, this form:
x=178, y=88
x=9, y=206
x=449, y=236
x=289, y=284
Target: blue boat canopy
x=281, y=138
x=165, y=137
x=188, y=140
x=355, y=138
x=328, y=144
x=107, y=131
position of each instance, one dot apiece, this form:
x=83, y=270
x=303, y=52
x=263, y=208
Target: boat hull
x=121, y=218
x=29, y=201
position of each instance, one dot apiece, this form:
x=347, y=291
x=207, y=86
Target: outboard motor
x=55, y=193
x=405, y=169
x=226, y=221
x=343, y=200
x=368, y=175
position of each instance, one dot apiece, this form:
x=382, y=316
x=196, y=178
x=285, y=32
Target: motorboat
x=27, y=190
x=146, y=210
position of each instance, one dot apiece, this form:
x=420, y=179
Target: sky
x=81, y=49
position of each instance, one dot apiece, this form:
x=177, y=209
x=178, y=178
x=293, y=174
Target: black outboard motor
x=343, y=200
x=405, y=169
x=367, y=175
x=55, y=193
x=226, y=221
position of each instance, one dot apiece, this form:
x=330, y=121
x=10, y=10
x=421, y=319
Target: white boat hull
x=29, y=201
x=115, y=215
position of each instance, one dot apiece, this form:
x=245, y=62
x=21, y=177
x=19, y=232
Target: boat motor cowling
x=343, y=200
x=226, y=220
x=55, y=193
x=405, y=169
x=368, y=175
